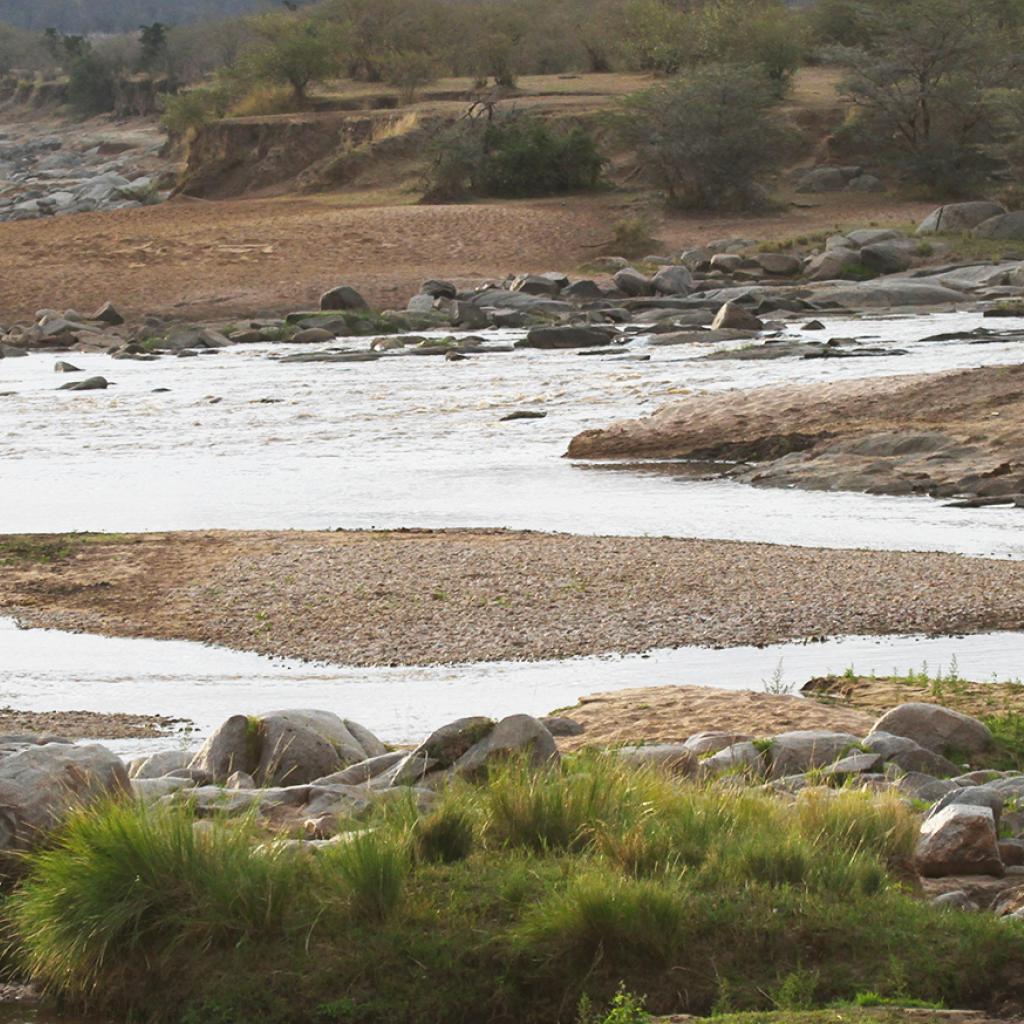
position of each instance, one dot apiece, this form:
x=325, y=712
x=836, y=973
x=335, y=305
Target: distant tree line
x=107, y=16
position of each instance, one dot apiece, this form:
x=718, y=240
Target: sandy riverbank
x=429, y=597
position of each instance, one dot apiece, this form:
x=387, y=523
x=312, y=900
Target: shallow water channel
x=242, y=441
x=46, y=670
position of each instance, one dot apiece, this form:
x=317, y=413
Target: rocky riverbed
x=55, y=169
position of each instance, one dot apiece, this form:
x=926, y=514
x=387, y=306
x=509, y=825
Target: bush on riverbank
x=533, y=890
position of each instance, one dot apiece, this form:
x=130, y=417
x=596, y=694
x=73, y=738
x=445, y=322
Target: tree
x=923, y=90
x=709, y=140
x=293, y=51
x=153, y=40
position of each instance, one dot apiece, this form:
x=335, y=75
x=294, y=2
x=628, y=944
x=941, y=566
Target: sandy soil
x=424, y=597
x=876, y=695
x=671, y=714
x=88, y=725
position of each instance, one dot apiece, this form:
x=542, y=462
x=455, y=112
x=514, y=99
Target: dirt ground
x=671, y=714
x=198, y=259
x=442, y=597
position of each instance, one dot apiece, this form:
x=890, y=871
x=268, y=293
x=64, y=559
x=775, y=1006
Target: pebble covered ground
x=443, y=597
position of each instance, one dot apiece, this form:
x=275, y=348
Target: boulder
x=565, y=337
x=342, y=297
x=673, y=281
x=517, y=735
x=632, y=282
x=958, y=899
x=885, y=257
x=956, y=218
x=972, y=796
x=558, y=725
x=468, y=316
x=959, y=840
x=832, y=264
x=285, y=746
x=537, y=284
x=155, y=766
x=446, y=745
x=779, y=264
x=363, y=771
x=583, y=291
x=889, y=292
x=89, y=384
x=439, y=289
x=920, y=786
x=937, y=728
x=733, y=316
x=62, y=367
x=743, y=756
x=312, y=336
x=1004, y=226
x=675, y=758
x=41, y=785
x=823, y=179
x=872, y=236
x=107, y=314
x=421, y=303
x=908, y=755
x=800, y=750
x=712, y=742
x=727, y=262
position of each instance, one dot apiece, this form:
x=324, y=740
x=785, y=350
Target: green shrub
x=711, y=140
x=91, y=85
x=512, y=157
x=186, y=112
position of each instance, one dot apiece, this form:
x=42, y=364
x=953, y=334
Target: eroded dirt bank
x=946, y=434
x=430, y=597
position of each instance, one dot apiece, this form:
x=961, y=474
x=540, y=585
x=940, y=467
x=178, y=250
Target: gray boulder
x=872, y=236
x=958, y=899
x=972, y=796
x=538, y=284
x=737, y=757
x=149, y=791
x=107, y=314
x=1004, y=226
x=469, y=316
x=702, y=743
x=285, y=746
x=734, y=316
x=565, y=337
x=558, y=725
x=363, y=771
x=673, y=281
x=937, y=728
x=41, y=785
x=885, y=257
x=908, y=755
x=959, y=217
x=779, y=264
x=342, y=297
x=866, y=183
x=89, y=384
x=583, y=291
x=517, y=735
x=832, y=263
x=823, y=179
x=632, y=282
x=959, y=840
x=675, y=758
x=800, y=750
x=919, y=786
x=446, y=745
x=155, y=766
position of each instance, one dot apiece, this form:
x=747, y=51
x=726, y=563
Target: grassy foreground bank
x=507, y=902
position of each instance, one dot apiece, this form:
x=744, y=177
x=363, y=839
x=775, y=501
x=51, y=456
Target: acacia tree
x=923, y=89
x=293, y=51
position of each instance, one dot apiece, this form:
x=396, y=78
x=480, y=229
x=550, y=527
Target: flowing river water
x=241, y=440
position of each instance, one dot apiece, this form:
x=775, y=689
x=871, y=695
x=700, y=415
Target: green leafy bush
x=710, y=140
x=511, y=157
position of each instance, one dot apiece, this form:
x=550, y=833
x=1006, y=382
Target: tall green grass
x=507, y=902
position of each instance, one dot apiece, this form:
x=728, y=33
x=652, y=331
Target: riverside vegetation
x=482, y=875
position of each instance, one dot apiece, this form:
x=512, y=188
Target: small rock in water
x=61, y=367
x=523, y=414
x=89, y=384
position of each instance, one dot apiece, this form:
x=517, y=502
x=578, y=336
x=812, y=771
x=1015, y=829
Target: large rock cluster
x=68, y=173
